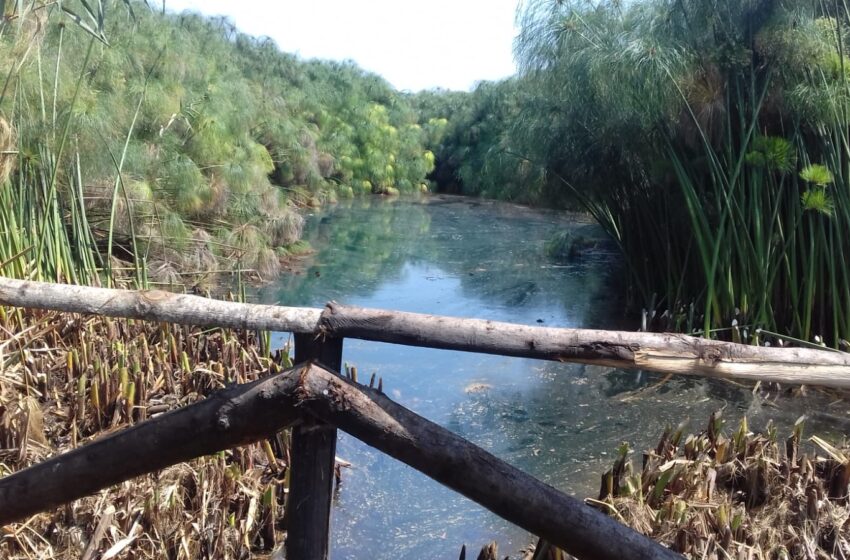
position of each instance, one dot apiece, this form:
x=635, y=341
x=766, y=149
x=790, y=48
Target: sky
x=414, y=45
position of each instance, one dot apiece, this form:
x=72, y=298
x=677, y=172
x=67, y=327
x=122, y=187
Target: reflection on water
x=559, y=422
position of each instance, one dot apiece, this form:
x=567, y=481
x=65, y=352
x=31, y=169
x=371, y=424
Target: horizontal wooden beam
x=661, y=352
x=157, y=305
x=665, y=353
x=245, y=413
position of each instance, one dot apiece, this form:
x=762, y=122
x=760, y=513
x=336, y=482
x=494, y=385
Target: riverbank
x=141, y=165
x=727, y=492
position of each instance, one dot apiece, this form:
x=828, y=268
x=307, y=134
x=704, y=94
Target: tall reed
x=44, y=227
x=711, y=140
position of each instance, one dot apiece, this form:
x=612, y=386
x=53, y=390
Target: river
x=559, y=422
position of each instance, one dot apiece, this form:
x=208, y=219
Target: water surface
x=559, y=422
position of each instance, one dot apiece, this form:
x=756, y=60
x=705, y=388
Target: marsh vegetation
x=708, y=138
x=178, y=145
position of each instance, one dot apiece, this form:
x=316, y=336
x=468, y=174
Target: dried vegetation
x=743, y=495
x=739, y=496
x=66, y=379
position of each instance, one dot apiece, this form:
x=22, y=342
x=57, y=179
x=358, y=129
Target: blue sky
x=413, y=44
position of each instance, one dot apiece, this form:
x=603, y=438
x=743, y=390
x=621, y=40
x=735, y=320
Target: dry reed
x=738, y=496
x=742, y=495
x=66, y=379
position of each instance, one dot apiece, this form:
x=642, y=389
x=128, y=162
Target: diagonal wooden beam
x=250, y=412
x=236, y=416
x=514, y=495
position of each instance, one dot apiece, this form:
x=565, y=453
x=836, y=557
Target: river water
x=560, y=422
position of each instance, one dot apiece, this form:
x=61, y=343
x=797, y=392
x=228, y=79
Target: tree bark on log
x=665, y=353
x=157, y=305
x=247, y=413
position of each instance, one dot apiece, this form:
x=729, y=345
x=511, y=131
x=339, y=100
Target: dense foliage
x=184, y=140
x=710, y=138
x=476, y=139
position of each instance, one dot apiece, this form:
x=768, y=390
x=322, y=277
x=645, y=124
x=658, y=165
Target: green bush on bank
x=708, y=138
x=212, y=130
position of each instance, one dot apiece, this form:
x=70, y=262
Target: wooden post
x=313, y=454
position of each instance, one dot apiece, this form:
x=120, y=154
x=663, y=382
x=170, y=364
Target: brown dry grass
x=743, y=495
x=65, y=379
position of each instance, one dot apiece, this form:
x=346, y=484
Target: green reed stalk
x=65, y=131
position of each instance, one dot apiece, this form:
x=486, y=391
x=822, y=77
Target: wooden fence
x=314, y=400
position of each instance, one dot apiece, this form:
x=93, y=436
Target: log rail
x=315, y=400
x=664, y=353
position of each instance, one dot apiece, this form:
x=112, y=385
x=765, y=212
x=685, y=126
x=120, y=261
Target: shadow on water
x=560, y=422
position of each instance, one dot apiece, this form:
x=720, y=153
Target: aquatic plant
x=707, y=138
x=65, y=379
x=135, y=147
x=716, y=493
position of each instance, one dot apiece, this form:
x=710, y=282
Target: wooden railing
x=314, y=400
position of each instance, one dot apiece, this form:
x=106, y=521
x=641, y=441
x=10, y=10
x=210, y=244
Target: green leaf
x=661, y=484
x=818, y=200
x=817, y=174
x=97, y=34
